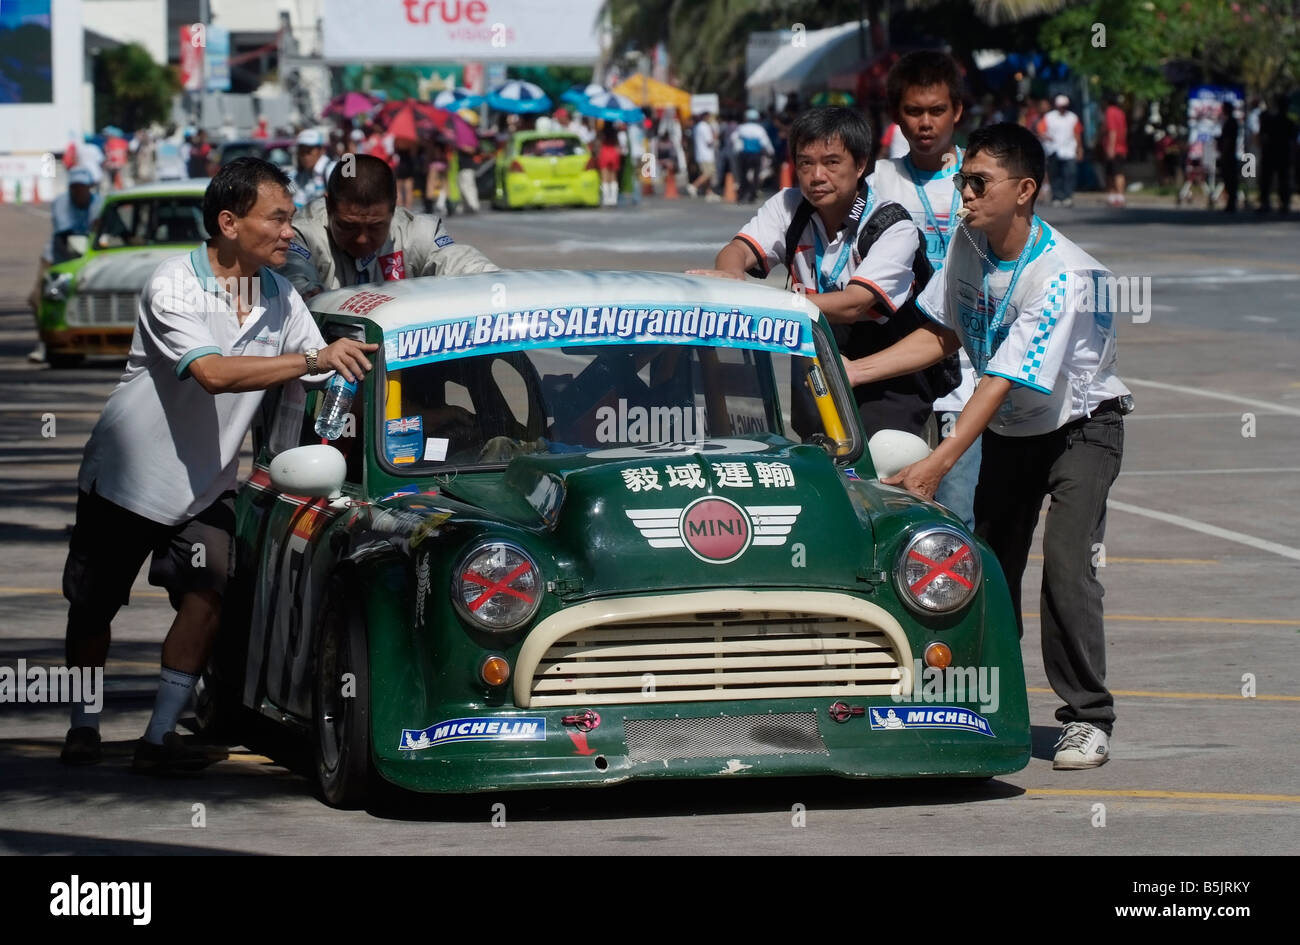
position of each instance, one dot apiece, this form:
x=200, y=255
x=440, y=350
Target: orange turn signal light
x=938, y=656
x=495, y=671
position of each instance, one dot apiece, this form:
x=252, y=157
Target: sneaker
x=1081, y=745
x=82, y=746
x=37, y=354
x=1069, y=201
x=712, y=198
x=1055, y=202
x=173, y=756
x=692, y=191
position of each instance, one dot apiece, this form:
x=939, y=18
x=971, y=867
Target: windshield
x=562, y=146
x=486, y=409
x=151, y=222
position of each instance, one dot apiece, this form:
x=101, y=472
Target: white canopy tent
x=808, y=67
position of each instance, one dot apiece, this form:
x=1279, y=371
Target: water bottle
x=334, y=414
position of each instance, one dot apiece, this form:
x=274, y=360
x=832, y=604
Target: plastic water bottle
x=334, y=414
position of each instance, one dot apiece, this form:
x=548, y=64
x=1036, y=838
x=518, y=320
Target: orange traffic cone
x=670, y=187
x=787, y=175
x=729, y=188
x=647, y=187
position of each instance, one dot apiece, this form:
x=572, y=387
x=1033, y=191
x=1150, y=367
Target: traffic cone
x=670, y=187
x=787, y=175
x=647, y=187
x=729, y=188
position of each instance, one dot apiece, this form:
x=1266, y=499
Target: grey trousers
x=1075, y=465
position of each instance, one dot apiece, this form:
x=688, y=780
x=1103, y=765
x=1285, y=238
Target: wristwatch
x=311, y=354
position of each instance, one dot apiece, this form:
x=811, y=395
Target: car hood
x=637, y=518
x=123, y=271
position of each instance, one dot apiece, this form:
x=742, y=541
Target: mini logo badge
x=715, y=529
x=393, y=266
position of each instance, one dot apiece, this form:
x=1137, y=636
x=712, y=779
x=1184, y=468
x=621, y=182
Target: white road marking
x=1240, y=538
x=1265, y=319
x=1209, y=472
x=1175, y=416
x=1215, y=395
x=1226, y=280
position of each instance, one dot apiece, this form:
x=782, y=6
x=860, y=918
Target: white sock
x=174, y=688
x=84, y=717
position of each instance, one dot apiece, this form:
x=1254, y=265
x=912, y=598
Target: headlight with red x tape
x=939, y=571
x=497, y=586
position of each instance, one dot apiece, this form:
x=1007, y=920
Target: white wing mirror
x=894, y=450
x=312, y=471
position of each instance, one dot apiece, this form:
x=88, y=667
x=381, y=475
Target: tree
x=131, y=90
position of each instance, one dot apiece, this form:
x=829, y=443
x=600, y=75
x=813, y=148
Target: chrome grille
x=743, y=735
x=88, y=309
x=754, y=655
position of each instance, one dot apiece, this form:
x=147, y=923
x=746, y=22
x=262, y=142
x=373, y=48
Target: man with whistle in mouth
x=1033, y=312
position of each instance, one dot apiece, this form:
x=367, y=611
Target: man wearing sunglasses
x=1033, y=312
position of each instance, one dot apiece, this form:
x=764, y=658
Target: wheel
x=218, y=711
x=341, y=703
x=59, y=361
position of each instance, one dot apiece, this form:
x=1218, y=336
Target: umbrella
x=648, y=92
x=457, y=98
x=610, y=107
x=576, y=95
x=519, y=97
x=412, y=120
x=451, y=126
x=349, y=105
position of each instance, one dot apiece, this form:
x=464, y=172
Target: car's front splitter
x=874, y=738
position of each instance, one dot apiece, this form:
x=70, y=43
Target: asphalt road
x=1201, y=579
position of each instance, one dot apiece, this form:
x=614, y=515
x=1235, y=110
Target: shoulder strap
x=889, y=214
x=802, y=217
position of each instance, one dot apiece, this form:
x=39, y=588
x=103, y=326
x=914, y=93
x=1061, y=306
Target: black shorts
x=1114, y=166
x=109, y=543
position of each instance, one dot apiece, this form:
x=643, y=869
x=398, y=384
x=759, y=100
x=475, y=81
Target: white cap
x=751, y=114
x=358, y=135
x=81, y=175
x=311, y=138
x=1061, y=101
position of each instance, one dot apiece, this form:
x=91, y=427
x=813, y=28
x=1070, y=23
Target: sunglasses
x=977, y=184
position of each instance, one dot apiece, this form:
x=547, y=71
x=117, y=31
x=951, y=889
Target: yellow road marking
x=244, y=756
x=1120, y=560
x=1166, y=795
x=1250, y=620
x=1186, y=695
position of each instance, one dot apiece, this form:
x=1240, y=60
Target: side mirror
x=894, y=450
x=78, y=243
x=312, y=471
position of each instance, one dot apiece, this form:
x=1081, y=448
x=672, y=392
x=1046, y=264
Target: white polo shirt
x=899, y=181
x=1057, y=339
x=164, y=447
x=887, y=267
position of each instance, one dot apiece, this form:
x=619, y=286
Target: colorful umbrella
x=451, y=127
x=610, y=107
x=349, y=105
x=576, y=95
x=519, y=97
x=457, y=98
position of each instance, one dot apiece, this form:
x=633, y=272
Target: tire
x=62, y=361
x=341, y=722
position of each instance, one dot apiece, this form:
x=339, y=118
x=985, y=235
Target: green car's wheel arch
x=341, y=702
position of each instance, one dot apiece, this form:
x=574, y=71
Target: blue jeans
x=1063, y=174
x=956, y=492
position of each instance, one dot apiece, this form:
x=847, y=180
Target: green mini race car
x=89, y=304
x=586, y=527
x=546, y=169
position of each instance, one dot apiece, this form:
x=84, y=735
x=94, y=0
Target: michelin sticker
x=524, y=729
x=778, y=330
x=893, y=718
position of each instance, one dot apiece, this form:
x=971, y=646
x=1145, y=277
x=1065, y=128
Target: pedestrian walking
x=749, y=142
x=1114, y=150
x=1063, y=133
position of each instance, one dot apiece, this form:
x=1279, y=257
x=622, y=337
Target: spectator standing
x=313, y=164
x=749, y=142
x=1115, y=150
x=706, y=157
x=1064, y=133
x=197, y=161
x=1277, y=133
x=1229, y=157
x=610, y=161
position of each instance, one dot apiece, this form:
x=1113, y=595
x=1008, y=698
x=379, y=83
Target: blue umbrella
x=519, y=97
x=577, y=95
x=455, y=99
x=610, y=107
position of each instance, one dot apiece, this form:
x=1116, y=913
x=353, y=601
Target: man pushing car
x=215, y=329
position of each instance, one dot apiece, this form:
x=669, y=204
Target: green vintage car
x=88, y=304
x=584, y=527
x=546, y=169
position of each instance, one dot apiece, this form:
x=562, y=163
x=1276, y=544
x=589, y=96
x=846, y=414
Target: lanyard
x=830, y=285
x=929, y=211
x=992, y=326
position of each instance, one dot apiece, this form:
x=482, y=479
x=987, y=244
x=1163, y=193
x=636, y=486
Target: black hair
x=235, y=187
x=1013, y=146
x=370, y=181
x=923, y=68
x=832, y=121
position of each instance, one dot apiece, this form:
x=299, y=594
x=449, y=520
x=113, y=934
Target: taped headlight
x=497, y=586
x=56, y=286
x=939, y=571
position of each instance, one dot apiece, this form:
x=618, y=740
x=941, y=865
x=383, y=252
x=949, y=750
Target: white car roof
x=409, y=302
x=194, y=185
